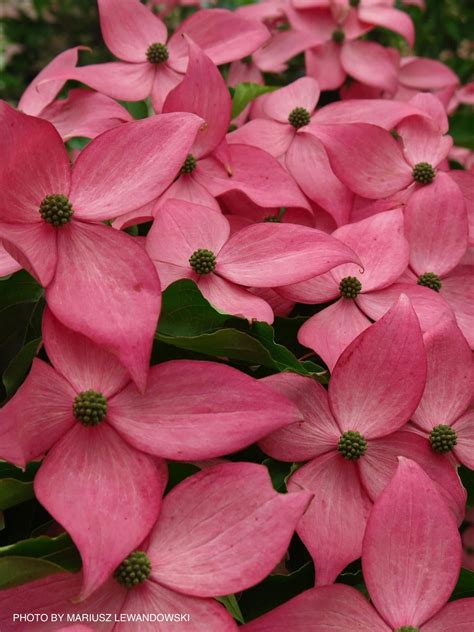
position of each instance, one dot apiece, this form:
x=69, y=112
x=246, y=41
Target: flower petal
x=113, y=300
x=108, y=500
x=389, y=18
x=412, y=549
x=100, y=191
x=333, y=526
x=370, y=63
x=464, y=428
x=223, y=530
x=198, y=410
x=166, y=79
x=315, y=434
x=457, y=616
x=378, y=381
x=380, y=112
x=302, y=93
x=323, y=62
x=8, y=265
x=320, y=289
x=423, y=141
x=273, y=137
x=457, y=289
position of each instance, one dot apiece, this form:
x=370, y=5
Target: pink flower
x=280, y=130
x=98, y=281
x=152, y=66
x=101, y=479
x=194, y=242
x=83, y=113
x=363, y=292
x=443, y=414
x=352, y=434
x=219, y=531
x=411, y=558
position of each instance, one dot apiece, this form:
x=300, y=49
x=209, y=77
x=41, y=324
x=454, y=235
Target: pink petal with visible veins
x=8, y=265
x=186, y=188
x=381, y=112
x=426, y=74
x=302, y=93
x=320, y=289
x=271, y=136
x=378, y=381
x=449, y=378
x=370, y=63
x=105, y=517
x=464, y=449
x=99, y=191
x=389, y=18
x=412, y=549
x=422, y=141
x=456, y=616
x=324, y=64
x=114, y=300
x=458, y=290
x=37, y=166
x=433, y=107
x=165, y=80
x=284, y=45
x=223, y=530
x=129, y=28
x=315, y=434
x=333, y=526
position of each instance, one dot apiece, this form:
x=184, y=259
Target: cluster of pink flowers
x=351, y=207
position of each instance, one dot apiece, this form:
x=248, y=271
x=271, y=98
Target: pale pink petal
x=99, y=189
x=198, y=410
x=302, y=93
x=223, y=35
x=456, y=616
x=114, y=300
x=223, y=530
x=33, y=246
x=412, y=549
x=105, y=517
x=324, y=64
x=380, y=243
x=333, y=526
x=426, y=74
x=465, y=181
x=168, y=273
x=449, y=377
x=229, y=298
x=151, y=597
x=85, y=113
x=83, y=363
x=284, y=45
x=129, y=28
x=464, y=449
x=370, y=63
x=308, y=163
x=433, y=107
x=330, y=331
x=36, y=97
x=381, y=112
x=37, y=165
x=166, y=79
x=315, y=434
x=181, y=228
x=436, y=226
x=423, y=141
x=379, y=379
x=429, y=306
x=202, y=92
x=366, y=158
x=320, y=289
x=255, y=173
x=37, y=416
x=458, y=290
x=389, y=18
x=270, y=254
x=186, y=188
x=323, y=609
x=8, y=265
x=271, y=136
x=379, y=463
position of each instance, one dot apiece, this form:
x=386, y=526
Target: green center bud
x=273, y=219
x=354, y=3
x=134, y=570
x=407, y=628
x=89, y=407
x=431, y=280
x=338, y=36
x=350, y=287
x=443, y=438
x=203, y=261
x=56, y=209
x=352, y=445
x=189, y=164
x=157, y=53
x=299, y=117
x=423, y=173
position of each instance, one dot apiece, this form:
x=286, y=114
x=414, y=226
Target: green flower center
x=157, y=53
x=350, y=287
x=352, y=445
x=134, y=570
x=189, y=164
x=273, y=219
x=203, y=261
x=443, y=438
x=338, y=36
x=423, y=173
x=407, y=628
x=299, y=117
x=89, y=407
x=56, y=209
x=431, y=280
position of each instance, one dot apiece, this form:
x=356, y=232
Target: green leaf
x=279, y=473
x=19, y=288
x=14, y=492
x=138, y=109
x=465, y=586
x=244, y=93
x=19, y=366
x=232, y=606
x=15, y=571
